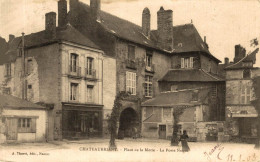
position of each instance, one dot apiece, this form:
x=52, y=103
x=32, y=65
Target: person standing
x=184, y=143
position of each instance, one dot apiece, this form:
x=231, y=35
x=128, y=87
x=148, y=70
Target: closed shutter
x=243, y=91
x=191, y=62
x=134, y=83
x=182, y=62
x=33, y=125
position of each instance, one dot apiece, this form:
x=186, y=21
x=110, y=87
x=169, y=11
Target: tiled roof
x=190, y=75
x=248, y=58
x=186, y=37
x=8, y=101
x=67, y=33
x=178, y=98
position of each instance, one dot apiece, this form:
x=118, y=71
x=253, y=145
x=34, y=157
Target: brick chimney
x=165, y=29
x=226, y=60
x=50, y=24
x=62, y=13
x=11, y=37
x=240, y=53
x=95, y=9
x=146, y=22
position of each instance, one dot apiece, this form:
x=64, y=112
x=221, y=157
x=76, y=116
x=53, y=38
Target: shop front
x=81, y=121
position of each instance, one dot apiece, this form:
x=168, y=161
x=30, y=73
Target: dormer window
x=187, y=62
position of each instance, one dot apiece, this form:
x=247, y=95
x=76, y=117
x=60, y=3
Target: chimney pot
x=62, y=13
x=226, y=60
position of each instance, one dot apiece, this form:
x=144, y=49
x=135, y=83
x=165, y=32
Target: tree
x=113, y=118
x=177, y=112
x=256, y=103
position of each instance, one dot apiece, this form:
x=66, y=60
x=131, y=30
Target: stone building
x=144, y=56
x=21, y=120
x=240, y=113
x=63, y=70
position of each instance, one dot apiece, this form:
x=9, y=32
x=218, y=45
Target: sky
x=225, y=23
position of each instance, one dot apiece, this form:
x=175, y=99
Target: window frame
x=26, y=125
x=89, y=65
x=8, y=69
x=249, y=73
x=131, y=82
x=148, y=86
x=73, y=94
x=246, y=94
x=131, y=53
x=90, y=87
x=148, y=58
x=73, y=62
x=187, y=62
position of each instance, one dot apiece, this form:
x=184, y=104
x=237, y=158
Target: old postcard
x=129, y=80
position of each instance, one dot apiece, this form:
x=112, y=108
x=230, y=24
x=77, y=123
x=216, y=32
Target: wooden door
x=11, y=124
x=162, y=131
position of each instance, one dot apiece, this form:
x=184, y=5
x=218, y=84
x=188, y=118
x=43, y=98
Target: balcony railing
x=90, y=73
x=130, y=64
x=150, y=68
x=75, y=71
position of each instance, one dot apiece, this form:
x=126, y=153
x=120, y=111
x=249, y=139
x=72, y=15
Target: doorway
x=162, y=131
x=128, y=120
x=11, y=124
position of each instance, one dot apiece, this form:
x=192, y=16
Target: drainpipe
x=23, y=68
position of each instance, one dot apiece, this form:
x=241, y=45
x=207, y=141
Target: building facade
x=63, y=70
x=240, y=113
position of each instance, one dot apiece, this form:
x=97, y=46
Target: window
x=148, y=86
x=195, y=95
x=29, y=86
x=131, y=82
x=89, y=69
x=167, y=115
x=7, y=90
x=8, y=70
x=26, y=125
x=131, y=52
x=29, y=92
x=73, y=62
x=187, y=62
x=90, y=93
x=245, y=94
x=246, y=73
x=29, y=66
x=74, y=91
x=149, y=58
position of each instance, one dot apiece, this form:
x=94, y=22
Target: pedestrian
x=134, y=133
x=184, y=143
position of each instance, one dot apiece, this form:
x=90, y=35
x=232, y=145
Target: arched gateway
x=128, y=119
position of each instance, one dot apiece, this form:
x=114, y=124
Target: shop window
x=26, y=125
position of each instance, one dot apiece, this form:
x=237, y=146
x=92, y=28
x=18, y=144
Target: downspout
x=23, y=68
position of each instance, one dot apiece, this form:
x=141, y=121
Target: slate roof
x=189, y=75
x=8, y=101
x=67, y=33
x=248, y=58
x=178, y=98
x=186, y=34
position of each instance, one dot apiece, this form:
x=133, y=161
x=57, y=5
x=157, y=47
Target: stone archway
x=128, y=119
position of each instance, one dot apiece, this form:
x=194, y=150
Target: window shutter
x=33, y=125
x=182, y=62
x=134, y=85
x=243, y=91
x=191, y=62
